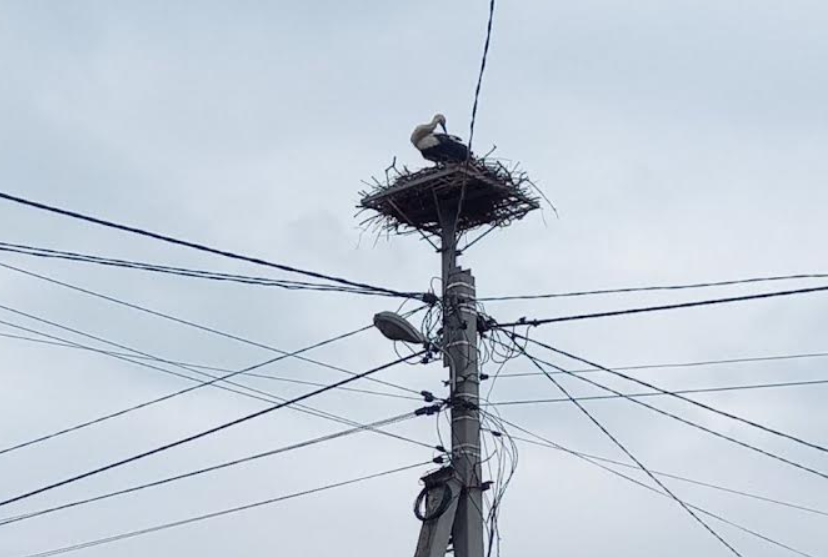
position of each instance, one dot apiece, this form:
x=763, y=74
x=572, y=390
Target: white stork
x=438, y=147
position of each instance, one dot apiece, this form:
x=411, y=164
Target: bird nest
x=474, y=193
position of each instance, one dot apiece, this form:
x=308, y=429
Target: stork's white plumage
x=423, y=135
x=438, y=147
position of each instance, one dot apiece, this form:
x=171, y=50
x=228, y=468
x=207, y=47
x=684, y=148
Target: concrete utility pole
x=460, y=334
x=446, y=201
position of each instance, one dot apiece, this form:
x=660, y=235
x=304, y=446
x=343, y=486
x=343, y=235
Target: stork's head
x=441, y=120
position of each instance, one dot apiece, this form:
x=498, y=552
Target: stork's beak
x=443, y=125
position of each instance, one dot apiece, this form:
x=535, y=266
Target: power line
x=631, y=456
x=659, y=288
x=130, y=357
x=257, y=394
x=735, y=417
x=207, y=432
x=200, y=247
x=134, y=360
x=648, y=309
x=673, y=392
x=480, y=73
x=688, y=422
x=180, y=271
x=697, y=363
x=173, y=363
x=473, y=119
x=208, y=516
x=193, y=324
x=235, y=462
x=254, y=393
x=685, y=479
x=552, y=445
x=213, y=379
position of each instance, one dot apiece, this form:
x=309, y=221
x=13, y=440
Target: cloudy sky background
x=680, y=141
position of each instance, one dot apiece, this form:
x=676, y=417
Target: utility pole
x=444, y=202
x=460, y=345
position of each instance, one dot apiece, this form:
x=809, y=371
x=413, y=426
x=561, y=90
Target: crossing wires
x=730, y=415
x=205, y=433
x=630, y=455
x=199, y=247
x=224, y=512
x=214, y=468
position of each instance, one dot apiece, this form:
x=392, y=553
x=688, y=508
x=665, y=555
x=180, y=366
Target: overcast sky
x=680, y=141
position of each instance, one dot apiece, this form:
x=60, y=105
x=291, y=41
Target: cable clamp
x=485, y=323
x=430, y=298
x=459, y=402
x=427, y=410
x=427, y=396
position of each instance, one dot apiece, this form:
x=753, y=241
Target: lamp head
x=395, y=327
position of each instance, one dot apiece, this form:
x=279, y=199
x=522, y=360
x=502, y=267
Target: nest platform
x=483, y=193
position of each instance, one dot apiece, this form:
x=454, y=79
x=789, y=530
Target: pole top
x=474, y=193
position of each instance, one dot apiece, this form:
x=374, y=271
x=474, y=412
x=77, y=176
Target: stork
x=438, y=147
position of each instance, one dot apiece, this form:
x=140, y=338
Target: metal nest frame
x=478, y=192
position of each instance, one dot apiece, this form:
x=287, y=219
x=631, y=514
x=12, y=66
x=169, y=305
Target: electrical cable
x=633, y=458
x=199, y=247
x=243, y=390
x=445, y=502
x=283, y=354
x=552, y=445
x=480, y=73
x=130, y=357
x=685, y=479
x=201, y=434
x=180, y=271
x=216, y=514
x=667, y=307
x=198, y=326
x=660, y=288
x=697, y=363
x=506, y=452
x=472, y=122
x=735, y=417
x=214, y=380
x=730, y=388
x=456, y=455
x=690, y=423
x=254, y=393
x=265, y=396
x=170, y=479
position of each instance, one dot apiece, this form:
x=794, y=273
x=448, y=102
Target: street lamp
x=395, y=327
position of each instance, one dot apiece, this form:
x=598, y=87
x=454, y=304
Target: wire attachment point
x=427, y=410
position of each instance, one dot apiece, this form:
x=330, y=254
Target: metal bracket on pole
x=439, y=498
